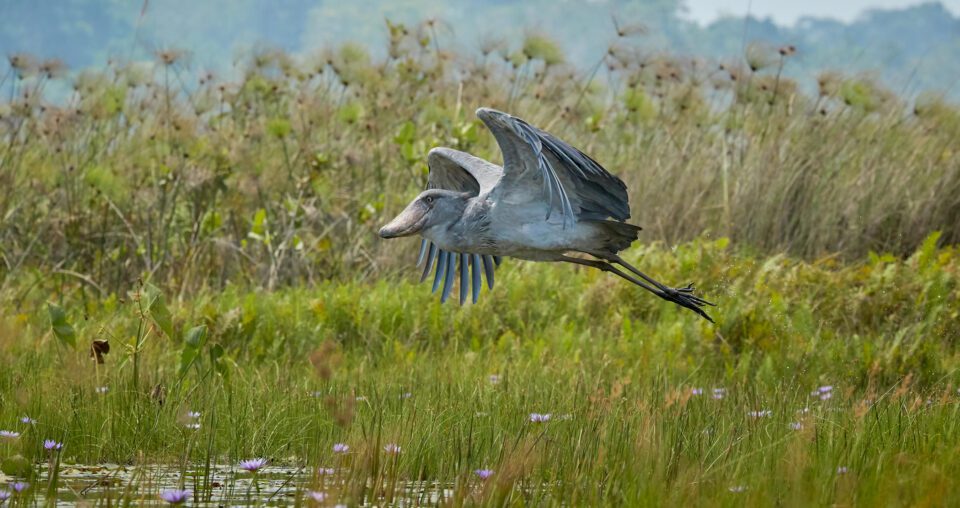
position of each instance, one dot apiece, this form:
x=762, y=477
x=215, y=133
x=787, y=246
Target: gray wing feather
x=446, y=265
x=459, y=171
x=570, y=180
x=423, y=250
x=475, y=271
x=488, y=268
x=441, y=268
x=448, y=281
x=464, y=277
x=429, y=266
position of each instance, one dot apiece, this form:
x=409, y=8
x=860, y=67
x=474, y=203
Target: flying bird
x=547, y=201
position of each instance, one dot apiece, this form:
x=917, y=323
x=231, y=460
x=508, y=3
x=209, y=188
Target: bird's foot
x=684, y=297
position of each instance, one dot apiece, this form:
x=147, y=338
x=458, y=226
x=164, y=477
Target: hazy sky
x=788, y=11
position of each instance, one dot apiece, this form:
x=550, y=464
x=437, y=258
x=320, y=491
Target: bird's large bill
x=409, y=222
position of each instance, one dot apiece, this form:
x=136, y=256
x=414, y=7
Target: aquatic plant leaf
x=17, y=465
x=196, y=337
x=216, y=355
x=61, y=328
x=192, y=344
x=157, y=307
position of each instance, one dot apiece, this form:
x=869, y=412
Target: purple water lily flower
x=27, y=420
x=253, y=465
x=9, y=434
x=175, y=496
x=19, y=487
x=50, y=444
x=696, y=391
x=540, y=417
x=484, y=473
x=4, y=495
x=796, y=426
x=842, y=470
x=317, y=495
x=341, y=448
x=719, y=393
x=326, y=471
x=494, y=378
x=392, y=448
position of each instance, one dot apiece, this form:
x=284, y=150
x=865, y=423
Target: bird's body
x=548, y=200
x=531, y=237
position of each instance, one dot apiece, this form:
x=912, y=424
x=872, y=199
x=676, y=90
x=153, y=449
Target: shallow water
x=106, y=484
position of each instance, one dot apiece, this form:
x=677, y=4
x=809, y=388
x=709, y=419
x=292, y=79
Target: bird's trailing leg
x=680, y=296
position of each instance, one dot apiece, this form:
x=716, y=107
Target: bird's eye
x=429, y=200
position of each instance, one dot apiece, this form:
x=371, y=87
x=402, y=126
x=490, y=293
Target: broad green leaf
x=187, y=357
x=192, y=344
x=259, y=222
x=196, y=337
x=216, y=355
x=61, y=328
x=158, y=309
x=17, y=465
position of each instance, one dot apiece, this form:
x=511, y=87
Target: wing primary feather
x=441, y=268
x=547, y=183
x=448, y=280
x=431, y=256
x=475, y=271
x=423, y=250
x=557, y=151
x=551, y=181
x=488, y=268
x=464, y=276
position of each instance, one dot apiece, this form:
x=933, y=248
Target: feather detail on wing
x=569, y=181
x=445, y=266
x=459, y=171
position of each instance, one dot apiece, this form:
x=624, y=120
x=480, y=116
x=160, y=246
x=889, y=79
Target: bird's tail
x=617, y=235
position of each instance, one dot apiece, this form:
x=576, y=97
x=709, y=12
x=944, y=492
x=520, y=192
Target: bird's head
x=433, y=207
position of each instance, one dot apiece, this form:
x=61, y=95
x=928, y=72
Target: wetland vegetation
x=190, y=278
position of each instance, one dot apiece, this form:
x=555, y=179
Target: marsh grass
x=372, y=364
x=220, y=238
x=281, y=175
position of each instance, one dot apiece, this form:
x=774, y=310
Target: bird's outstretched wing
x=539, y=166
x=458, y=171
